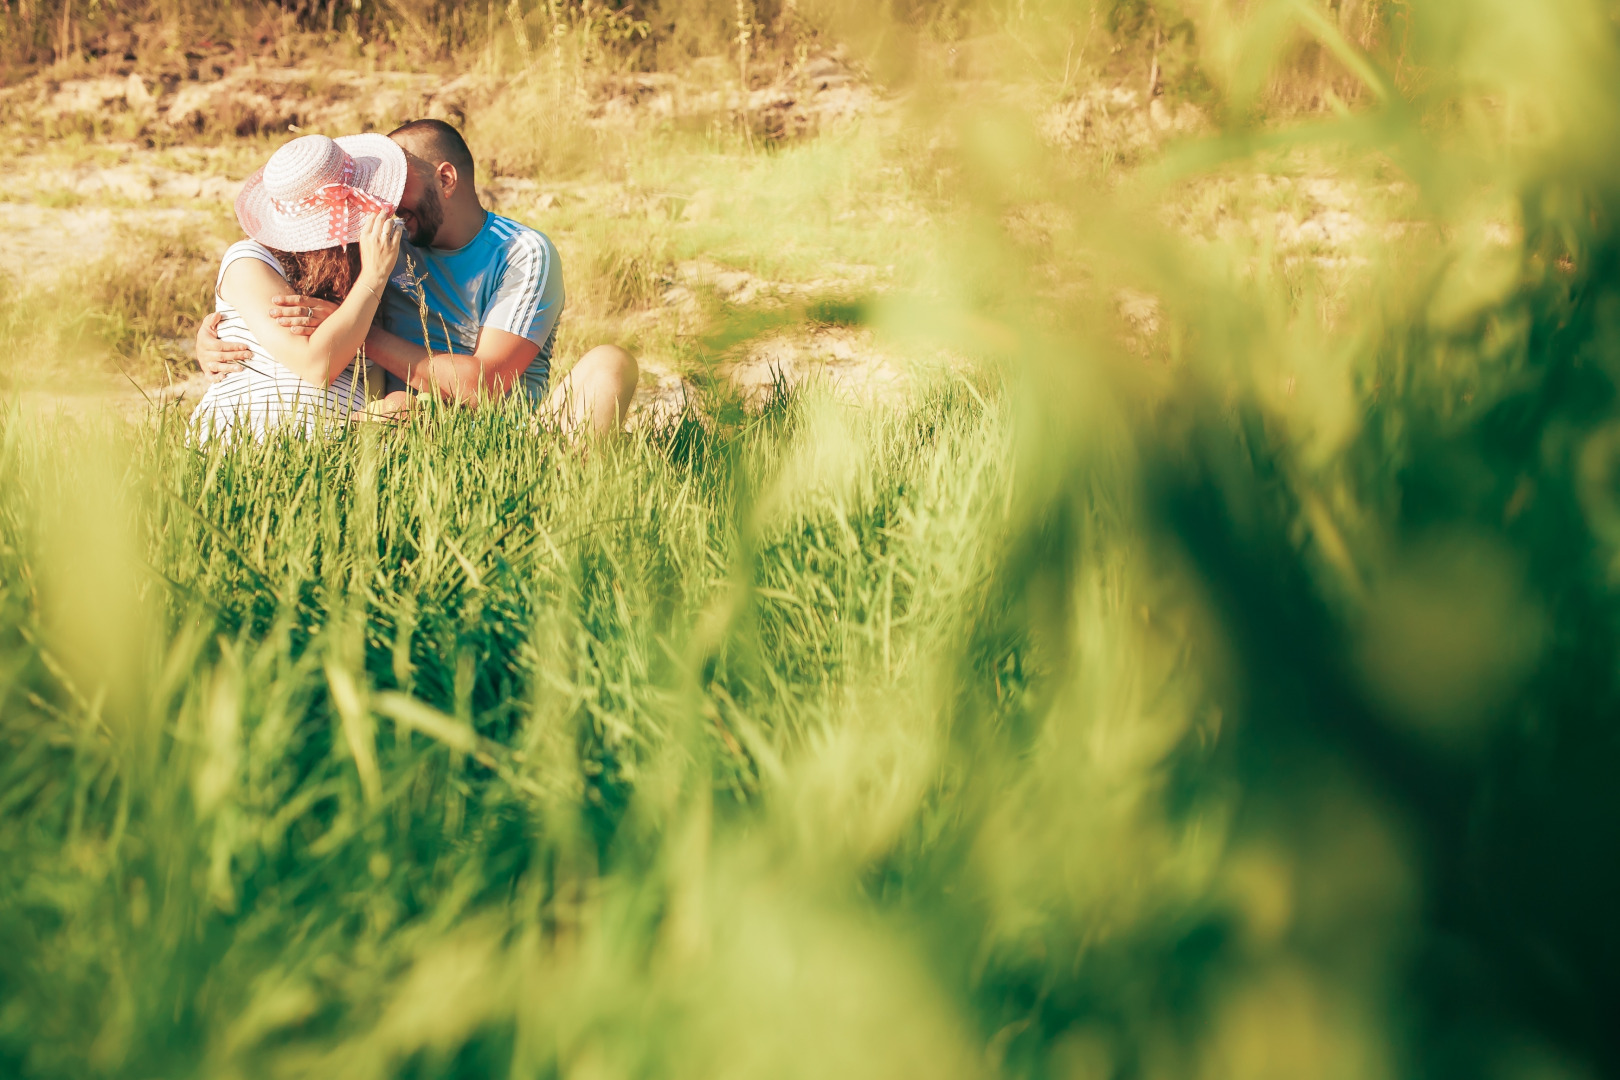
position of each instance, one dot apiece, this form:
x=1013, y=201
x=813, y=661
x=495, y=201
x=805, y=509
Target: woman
x=320, y=218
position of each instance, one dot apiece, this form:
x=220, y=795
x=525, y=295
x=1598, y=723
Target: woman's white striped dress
x=265, y=395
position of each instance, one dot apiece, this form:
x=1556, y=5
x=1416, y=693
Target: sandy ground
x=43, y=241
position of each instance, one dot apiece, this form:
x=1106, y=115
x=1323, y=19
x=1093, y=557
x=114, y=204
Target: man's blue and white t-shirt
x=507, y=277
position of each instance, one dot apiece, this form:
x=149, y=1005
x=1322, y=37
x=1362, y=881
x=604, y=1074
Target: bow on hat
x=341, y=200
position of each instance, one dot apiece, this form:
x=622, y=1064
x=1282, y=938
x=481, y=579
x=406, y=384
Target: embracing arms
x=319, y=355
x=495, y=364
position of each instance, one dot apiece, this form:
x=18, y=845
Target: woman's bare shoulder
x=250, y=278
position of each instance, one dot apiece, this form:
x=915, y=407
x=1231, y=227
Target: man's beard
x=428, y=215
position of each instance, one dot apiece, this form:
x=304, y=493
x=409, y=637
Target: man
x=471, y=310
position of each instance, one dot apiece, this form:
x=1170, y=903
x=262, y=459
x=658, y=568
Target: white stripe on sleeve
x=540, y=258
x=518, y=296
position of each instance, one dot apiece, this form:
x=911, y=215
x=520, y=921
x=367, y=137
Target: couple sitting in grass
x=379, y=242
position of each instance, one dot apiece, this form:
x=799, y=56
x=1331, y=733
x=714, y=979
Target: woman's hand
x=379, y=250
x=300, y=314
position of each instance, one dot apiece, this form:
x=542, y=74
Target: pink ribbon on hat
x=341, y=200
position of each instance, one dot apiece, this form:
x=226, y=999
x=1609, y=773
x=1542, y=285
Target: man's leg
x=596, y=394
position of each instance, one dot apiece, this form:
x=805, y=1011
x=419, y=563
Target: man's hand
x=301, y=314
x=218, y=358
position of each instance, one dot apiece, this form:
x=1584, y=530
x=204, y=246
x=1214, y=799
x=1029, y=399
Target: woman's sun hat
x=315, y=192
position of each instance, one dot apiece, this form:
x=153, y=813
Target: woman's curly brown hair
x=328, y=273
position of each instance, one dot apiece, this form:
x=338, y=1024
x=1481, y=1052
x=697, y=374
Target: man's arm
x=494, y=365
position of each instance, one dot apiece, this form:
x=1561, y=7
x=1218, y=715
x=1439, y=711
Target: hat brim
x=379, y=170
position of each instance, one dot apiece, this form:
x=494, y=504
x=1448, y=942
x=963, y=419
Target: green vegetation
x=410, y=681
x=1213, y=676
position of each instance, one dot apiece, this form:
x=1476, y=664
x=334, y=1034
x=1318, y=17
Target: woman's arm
x=249, y=286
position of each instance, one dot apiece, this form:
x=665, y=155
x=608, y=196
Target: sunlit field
x=1112, y=572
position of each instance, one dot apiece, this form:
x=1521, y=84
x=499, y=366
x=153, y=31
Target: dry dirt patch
x=255, y=98
x=247, y=100
x=43, y=241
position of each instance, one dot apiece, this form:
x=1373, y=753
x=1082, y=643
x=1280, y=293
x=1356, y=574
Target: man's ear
x=448, y=179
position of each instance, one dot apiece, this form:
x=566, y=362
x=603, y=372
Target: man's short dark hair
x=444, y=141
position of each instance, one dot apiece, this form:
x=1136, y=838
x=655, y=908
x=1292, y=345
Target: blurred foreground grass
x=319, y=716
x=1232, y=700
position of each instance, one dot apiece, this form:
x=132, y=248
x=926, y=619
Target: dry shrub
x=538, y=129
x=633, y=279
x=193, y=36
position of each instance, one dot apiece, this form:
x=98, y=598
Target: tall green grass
x=412, y=699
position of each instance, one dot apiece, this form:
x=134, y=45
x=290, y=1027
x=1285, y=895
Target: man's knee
x=598, y=390
x=610, y=365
